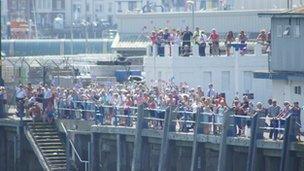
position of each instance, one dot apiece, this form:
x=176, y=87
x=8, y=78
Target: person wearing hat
x=296, y=112
x=202, y=43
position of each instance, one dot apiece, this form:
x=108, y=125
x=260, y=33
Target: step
x=46, y=155
x=46, y=136
x=58, y=169
x=49, y=143
x=52, y=147
x=49, y=140
x=44, y=130
x=44, y=133
x=40, y=126
x=52, y=150
x=57, y=166
x=56, y=158
x=57, y=161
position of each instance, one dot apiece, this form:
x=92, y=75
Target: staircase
x=47, y=145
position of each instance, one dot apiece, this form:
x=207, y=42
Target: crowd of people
x=43, y=102
x=186, y=39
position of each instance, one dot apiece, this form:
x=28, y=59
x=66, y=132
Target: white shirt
x=203, y=38
x=20, y=93
x=47, y=93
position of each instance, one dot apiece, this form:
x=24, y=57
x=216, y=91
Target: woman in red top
x=214, y=38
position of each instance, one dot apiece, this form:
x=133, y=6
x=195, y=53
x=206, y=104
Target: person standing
x=186, y=35
x=20, y=97
x=214, y=38
x=2, y=102
x=273, y=112
x=229, y=39
x=202, y=43
x=296, y=112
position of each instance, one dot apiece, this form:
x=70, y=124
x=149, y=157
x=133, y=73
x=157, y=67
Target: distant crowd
x=41, y=101
x=186, y=38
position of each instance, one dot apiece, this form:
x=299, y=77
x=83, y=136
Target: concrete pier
x=114, y=147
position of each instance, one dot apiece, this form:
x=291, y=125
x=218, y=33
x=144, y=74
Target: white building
x=232, y=75
x=222, y=20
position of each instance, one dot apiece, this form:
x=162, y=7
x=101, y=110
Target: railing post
x=289, y=137
x=136, y=161
x=162, y=164
x=154, y=50
x=223, y=145
x=252, y=150
x=198, y=129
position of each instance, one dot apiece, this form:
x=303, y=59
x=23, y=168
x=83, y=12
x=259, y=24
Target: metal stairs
x=47, y=145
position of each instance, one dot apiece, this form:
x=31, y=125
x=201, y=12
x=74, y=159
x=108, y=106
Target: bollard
x=167, y=50
x=175, y=51
x=154, y=51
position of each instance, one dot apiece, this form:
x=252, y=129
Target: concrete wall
x=201, y=71
x=15, y=151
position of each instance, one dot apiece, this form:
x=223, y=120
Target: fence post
x=162, y=164
x=136, y=161
x=223, y=145
x=197, y=130
x=289, y=137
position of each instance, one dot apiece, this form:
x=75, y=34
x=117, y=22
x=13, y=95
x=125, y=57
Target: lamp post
x=192, y=4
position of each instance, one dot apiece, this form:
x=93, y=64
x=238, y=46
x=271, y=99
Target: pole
x=71, y=27
x=1, y=79
x=193, y=5
x=86, y=27
x=236, y=72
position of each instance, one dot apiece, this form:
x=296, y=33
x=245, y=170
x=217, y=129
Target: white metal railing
x=86, y=163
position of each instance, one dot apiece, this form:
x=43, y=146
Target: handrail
x=73, y=147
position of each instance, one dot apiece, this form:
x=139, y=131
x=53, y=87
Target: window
x=225, y=80
x=287, y=30
x=279, y=30
x=87, y=7
x=248, y=76
x=296, y=31
x=298, y=90
x=132, y=5
x=207, y=77
x=110, y=7
x=119, y=7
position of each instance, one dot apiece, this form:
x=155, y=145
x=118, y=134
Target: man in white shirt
x=202, y=43
x=20, y=96
x=211, y=92
x=47, y=95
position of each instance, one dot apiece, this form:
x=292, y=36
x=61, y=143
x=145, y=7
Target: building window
x=248, y=76
x=87, y=7
x=132, y=5
x=287, y=31
x=225, y=80
x=207, y=77
x=119, y=7
x=110, y=7
x=279, y=30
x=296, y=31
x=298, y=90
x=99, y=8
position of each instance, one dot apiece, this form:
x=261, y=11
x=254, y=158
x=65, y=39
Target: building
x=4, y=16
x=232, y=75
x=286, y=69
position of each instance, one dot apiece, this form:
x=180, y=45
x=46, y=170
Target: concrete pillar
x=149, y=50
x=3, y=149
x=222, y=160
x=121, y=163
x=94, y=162
x=137, y=151
x=175, y=51
x=258, y=49
x=163, y=159
x=198, y=129
x=154, y=50
x=195, y=50
x=167, y=50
